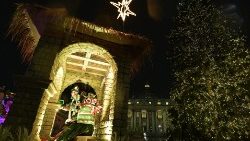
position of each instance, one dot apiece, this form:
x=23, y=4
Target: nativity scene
x=64, y=54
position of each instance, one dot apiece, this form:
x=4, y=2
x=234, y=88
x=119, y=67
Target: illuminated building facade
x=147, y=117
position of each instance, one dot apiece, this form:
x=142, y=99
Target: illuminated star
x=123, y=9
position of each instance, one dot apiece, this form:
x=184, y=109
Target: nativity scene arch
x=82, y=62
x=62, y=50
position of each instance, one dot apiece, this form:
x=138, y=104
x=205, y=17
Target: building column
x=140, y=120
x=147, y=120
x=153, y=121
x=131, y=121
x=134, y=121
x=164, y=120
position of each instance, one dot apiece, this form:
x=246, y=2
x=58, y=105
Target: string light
x=123, y=9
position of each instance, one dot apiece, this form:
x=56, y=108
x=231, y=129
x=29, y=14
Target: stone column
x=140, y=120
x=164, y=120
x=153, y=121
x=134, y=122
x=147, y=120
x=131, y=121
x=49, y=117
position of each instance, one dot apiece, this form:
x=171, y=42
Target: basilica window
x=144, y=114
x=137, y=114
x=159, y=114
x=129, y=114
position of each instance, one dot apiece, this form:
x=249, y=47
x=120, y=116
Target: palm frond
x=5, y=134
x=22, y=134
x=20, y=31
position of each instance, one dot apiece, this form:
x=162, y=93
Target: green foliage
x=212, y=69
x=169, y=122
x=11, y=134
x=5, y=134
x=22, y=134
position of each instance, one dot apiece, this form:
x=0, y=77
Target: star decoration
x=123, y=9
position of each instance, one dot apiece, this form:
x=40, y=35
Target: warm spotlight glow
x=123, y=9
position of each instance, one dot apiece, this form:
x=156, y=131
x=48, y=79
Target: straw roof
x=29, y=23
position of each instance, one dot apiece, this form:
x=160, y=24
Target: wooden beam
x=90, y=60
x=86, y=62
x=82, y=65
x=76, y=70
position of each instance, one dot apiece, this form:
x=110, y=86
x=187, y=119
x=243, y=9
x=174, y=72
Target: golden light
x=123, y=9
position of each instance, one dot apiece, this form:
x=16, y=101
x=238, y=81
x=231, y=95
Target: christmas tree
x=212, y=71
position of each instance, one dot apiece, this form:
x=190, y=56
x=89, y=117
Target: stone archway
x=86, y=62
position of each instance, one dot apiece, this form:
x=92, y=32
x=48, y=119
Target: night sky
x=154, y=20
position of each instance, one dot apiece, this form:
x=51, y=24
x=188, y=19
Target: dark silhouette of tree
x=212, y=71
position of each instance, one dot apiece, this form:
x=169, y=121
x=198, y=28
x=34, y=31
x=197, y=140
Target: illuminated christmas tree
x=212, y=70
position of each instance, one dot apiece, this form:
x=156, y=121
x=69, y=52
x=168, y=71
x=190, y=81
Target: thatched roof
x=22, y=31
x=29, y=22
x=27, y=26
